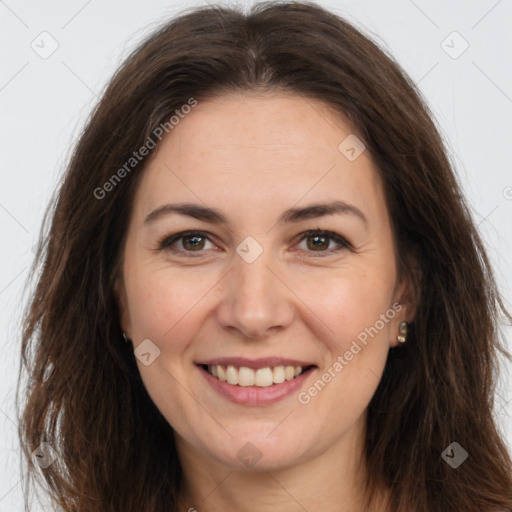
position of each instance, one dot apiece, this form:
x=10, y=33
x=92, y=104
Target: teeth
x=279, y=374
x=262, y=377
x=220, y=371
x=246, y=376
x=232, y=375
x=289, y=372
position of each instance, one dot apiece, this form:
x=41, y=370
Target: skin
x=253, y=156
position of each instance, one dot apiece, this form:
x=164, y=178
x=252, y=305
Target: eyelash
x=166, y=243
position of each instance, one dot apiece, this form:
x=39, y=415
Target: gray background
x=44, y=101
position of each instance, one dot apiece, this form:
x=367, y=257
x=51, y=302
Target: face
x=299, y=323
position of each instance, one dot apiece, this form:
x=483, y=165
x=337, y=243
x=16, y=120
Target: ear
x=122, y=305
x=406, y=299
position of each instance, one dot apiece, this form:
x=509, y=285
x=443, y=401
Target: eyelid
x=166, y=242
x=330, y=235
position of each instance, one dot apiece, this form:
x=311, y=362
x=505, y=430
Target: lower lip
x=255, y=395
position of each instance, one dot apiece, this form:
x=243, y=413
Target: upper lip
x=254, y=363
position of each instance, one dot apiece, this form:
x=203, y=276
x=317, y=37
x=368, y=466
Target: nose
x=256, y=300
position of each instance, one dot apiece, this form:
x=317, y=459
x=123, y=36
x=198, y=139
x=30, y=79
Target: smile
x=260, y=377
x=255, y=382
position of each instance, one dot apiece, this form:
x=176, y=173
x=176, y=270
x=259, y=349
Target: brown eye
x=191, y=241
x=319, y=240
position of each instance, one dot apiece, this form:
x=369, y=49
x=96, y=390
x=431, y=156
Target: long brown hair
x=84, y=396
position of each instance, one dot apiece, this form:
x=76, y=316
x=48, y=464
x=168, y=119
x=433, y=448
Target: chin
x=259, y=450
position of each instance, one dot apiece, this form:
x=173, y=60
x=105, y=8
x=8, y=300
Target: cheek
x=348, y=301
x=356, y=307
x=341, y=302
x=163, y=307
x=159, y=301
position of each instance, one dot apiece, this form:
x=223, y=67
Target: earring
x=125, y=338
x=403, y=332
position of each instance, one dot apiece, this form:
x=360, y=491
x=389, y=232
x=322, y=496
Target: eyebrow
x=291, y=215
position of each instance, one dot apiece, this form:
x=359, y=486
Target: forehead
x=260, y=150
x=283, y=125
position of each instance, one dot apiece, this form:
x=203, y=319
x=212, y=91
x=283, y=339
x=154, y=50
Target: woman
x=261, y=288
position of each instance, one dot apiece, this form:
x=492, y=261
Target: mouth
x=262, y=377
x=255, y=382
